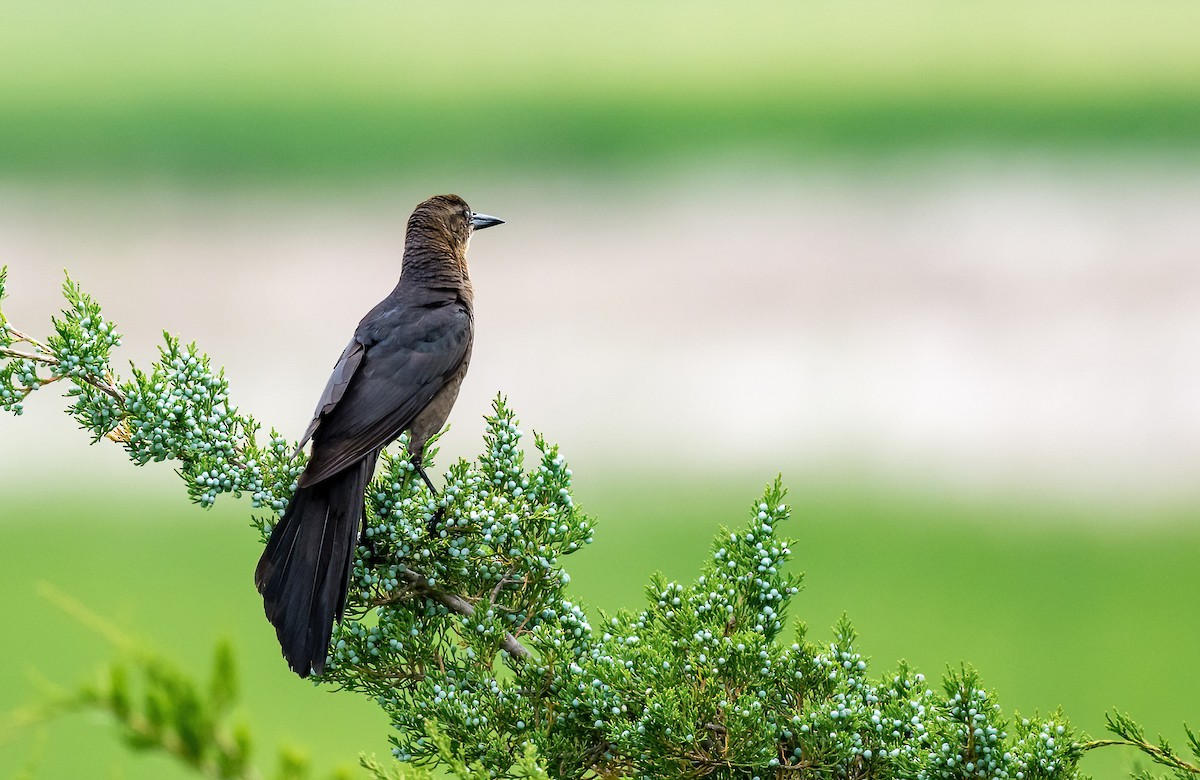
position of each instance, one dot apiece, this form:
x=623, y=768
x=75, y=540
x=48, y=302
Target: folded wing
x=398, y=360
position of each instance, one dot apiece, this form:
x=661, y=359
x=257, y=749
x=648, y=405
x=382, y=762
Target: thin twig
x=35, y=357
x=500, y=585
x=104, y=386
x=1154, y=751
x=22, y=336
x=107, y=388
x=460, y=606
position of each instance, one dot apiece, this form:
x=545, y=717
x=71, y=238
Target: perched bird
x=400, y=372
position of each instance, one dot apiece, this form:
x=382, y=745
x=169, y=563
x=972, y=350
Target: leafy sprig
x=1130, y=734
x=463, y=630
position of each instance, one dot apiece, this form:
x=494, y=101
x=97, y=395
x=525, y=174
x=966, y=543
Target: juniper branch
x=460, y=606
x=473, y=631
x=1131, y=734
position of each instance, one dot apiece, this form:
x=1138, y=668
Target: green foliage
x=527, y=764
x=81, y=345
x=466, y=637
x=977, y=743
x=158, y=707
x=499, y=537
x=78, y=351
x=1131, y=734
x=19, y=371
x=177, y=410
x=180, y=410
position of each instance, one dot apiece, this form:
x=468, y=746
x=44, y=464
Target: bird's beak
x=481, y=221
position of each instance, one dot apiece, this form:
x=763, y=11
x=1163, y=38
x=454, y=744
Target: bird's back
x=401, y=371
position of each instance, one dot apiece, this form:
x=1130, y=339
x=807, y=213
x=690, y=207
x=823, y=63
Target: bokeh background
x=937, y=263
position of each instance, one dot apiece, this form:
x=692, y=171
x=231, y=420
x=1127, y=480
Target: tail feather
x=304, y=573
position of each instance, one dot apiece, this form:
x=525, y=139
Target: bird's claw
x=439, y=515
x=368, y=545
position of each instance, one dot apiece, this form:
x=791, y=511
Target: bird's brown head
x=447, y=220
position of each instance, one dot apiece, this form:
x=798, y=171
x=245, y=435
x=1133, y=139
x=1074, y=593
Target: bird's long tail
x=305, y=570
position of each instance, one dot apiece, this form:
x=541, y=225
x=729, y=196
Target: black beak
x=481, y=221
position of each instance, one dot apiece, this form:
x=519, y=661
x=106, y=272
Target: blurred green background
x=162, y=135
x=229, y=90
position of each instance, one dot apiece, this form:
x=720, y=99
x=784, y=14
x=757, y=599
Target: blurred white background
x=993, y=324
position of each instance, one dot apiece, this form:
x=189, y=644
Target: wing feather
x=335, y=388
x=407, y=355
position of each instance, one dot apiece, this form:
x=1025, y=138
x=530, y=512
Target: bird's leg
x=365, y=540
x=436, y=520
x=416, y=461
x=370, y=550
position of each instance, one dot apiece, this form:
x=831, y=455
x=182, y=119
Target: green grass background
x=235, y=91
x=1087, y=608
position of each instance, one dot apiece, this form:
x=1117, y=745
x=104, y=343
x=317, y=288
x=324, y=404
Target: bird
x=400, y=372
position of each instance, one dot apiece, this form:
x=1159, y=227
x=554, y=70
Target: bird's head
x=449, y=218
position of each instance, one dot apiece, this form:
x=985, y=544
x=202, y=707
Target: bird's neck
x=432, y=265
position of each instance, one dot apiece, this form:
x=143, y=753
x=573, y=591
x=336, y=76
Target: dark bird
x=400, y=372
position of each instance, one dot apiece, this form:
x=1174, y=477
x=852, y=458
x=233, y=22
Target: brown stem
x=1167, y=759
x=461, y=606
x=35, y=357
x=21, y=336
x=106, y=387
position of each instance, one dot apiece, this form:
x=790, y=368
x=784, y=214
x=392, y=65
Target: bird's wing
x=336, y=387
x=407, y=355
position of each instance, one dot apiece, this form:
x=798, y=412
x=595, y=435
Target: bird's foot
x=435, y=521
x=370, y=548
